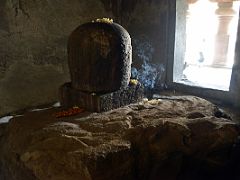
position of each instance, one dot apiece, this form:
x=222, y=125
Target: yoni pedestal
x=100, y=57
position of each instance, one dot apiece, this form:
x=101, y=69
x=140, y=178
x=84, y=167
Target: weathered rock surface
x=170, y=138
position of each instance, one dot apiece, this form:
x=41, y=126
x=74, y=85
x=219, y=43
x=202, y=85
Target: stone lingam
x=100, y=57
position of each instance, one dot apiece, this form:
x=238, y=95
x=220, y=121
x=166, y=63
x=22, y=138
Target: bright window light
x=211, y=29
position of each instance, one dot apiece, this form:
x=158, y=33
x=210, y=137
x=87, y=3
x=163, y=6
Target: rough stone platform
x=170, y=138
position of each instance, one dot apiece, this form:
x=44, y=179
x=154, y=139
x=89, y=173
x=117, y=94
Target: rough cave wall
x=33, y=39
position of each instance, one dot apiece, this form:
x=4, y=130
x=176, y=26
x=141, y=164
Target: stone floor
x=207, y=77
x=177, y=137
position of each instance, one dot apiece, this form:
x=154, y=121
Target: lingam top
x=100, y=57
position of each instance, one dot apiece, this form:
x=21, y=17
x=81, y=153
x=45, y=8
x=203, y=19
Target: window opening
x=210, y=37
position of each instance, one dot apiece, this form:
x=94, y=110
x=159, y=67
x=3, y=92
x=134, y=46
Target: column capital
x=225, y=9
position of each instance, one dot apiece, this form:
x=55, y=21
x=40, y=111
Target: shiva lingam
x=99, y=59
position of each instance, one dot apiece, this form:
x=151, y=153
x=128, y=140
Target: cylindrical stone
x=99, y=57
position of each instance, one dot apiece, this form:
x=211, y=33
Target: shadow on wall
x=26, y=85
x=121, y=9
x=146, y=22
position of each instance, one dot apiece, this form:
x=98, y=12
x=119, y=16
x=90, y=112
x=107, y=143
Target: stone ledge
x=176, y=138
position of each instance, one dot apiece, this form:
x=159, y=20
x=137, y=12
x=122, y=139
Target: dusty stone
x=158, y=139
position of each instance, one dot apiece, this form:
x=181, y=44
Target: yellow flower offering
x=104, y=20
x=133, y=81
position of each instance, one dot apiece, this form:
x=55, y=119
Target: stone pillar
x=235, y=80
x=180, y=39
x=224, y=14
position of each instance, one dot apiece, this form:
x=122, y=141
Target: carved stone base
x=70, y=97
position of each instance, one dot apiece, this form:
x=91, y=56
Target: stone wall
x=33, y=40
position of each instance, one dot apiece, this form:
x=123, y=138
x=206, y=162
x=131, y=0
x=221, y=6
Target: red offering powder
x=69, y=112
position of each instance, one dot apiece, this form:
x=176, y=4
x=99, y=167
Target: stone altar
x=171, y=138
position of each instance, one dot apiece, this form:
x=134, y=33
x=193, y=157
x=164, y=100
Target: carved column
x=224, y=14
